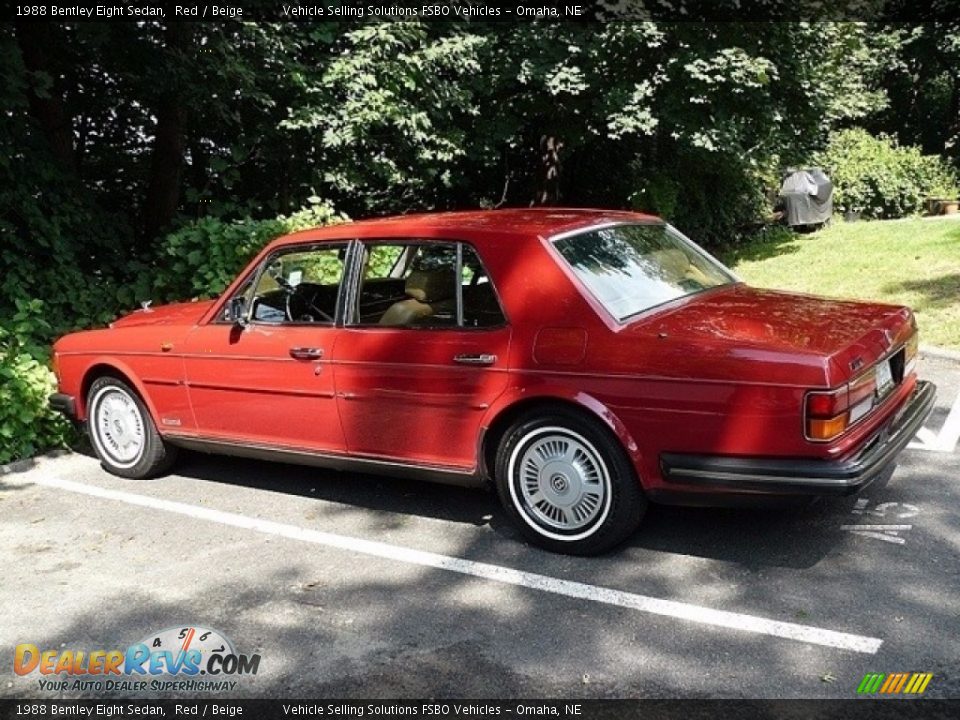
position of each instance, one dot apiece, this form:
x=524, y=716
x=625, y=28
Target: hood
x=841, y=336
x=186, y=313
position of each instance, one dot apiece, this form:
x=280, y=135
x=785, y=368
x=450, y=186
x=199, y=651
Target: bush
x=41, y=300
x=27, y=424
x=881, y=179
x=202, y=258
x=714, y=200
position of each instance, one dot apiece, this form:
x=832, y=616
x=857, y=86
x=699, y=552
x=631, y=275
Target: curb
x=19, y=466
x=941, y=353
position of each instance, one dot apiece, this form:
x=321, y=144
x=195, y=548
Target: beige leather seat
x=429, y=292
x=677, y=266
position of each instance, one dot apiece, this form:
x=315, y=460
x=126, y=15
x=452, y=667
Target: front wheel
x=567, y=483
x=123, y=433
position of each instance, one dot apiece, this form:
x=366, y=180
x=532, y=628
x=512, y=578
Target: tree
x=922, y=77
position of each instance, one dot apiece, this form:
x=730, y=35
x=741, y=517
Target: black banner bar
x=482, y=10
x=854, y=709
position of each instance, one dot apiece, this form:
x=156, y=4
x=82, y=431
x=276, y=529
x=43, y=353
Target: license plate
x=884, y=377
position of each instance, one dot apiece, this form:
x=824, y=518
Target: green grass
x=913, y=262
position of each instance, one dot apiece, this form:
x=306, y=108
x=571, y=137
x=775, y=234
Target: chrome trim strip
x=259, y=391
x=338, y=461
x=598, y=226
x=720, y=475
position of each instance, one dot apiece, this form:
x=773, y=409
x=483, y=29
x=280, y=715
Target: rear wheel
x=122, y=431
x=567, y=483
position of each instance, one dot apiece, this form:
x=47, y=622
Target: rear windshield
x=631, y=268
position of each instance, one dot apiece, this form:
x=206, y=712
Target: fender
x=113, y=362
x=514, y=395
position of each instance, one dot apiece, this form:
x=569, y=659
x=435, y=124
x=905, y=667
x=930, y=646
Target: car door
x=266, y=378
x=414, y=378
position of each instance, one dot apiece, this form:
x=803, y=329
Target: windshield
x=631, y=268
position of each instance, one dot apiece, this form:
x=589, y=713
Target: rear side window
x=481, y=308
x=420, y=284
x=631, y=268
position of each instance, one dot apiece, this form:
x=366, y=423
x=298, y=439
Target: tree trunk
x=951, y=143
x=163, y=191
x=548, y=171
x=35, y=40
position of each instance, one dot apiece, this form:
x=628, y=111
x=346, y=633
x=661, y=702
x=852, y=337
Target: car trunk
x=847, y=337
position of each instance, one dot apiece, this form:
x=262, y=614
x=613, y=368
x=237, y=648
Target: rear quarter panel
x=657, y=393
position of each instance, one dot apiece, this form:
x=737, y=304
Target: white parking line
x=948, y=437
x=496, y=573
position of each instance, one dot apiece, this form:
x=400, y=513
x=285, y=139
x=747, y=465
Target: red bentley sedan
x=585, y=362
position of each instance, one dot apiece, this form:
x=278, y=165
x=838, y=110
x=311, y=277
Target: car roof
x=512, y=224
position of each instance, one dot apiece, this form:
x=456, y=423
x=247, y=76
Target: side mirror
x=238, y=311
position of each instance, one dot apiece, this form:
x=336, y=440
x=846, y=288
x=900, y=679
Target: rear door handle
x=479, y=359
x=305, y=353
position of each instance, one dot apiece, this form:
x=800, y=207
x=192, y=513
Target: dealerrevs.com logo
x=185, y=659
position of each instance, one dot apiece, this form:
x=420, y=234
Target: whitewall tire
x=567, y=483
x=123, y=433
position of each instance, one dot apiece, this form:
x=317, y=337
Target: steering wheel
x=276, y=272
x=310, y=306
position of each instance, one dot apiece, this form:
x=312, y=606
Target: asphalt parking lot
x=354, y=586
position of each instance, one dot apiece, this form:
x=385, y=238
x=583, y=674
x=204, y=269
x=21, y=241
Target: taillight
x=827, y=428
x=825, y=405
x=55, y=366
x=827, y=414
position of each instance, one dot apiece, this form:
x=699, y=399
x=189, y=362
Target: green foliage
x=27, y=425
x=881, y=179
x=203, y=257
x=389, y=113
x=921, y=77
x=382, y=259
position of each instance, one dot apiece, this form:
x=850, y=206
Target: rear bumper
x=65, y=404
x=804, y=477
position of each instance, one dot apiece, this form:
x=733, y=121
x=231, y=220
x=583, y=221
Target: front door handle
x=479, y=359
x=305, y=353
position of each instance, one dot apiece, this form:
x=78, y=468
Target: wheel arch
x=500, y=418
x=101, y=368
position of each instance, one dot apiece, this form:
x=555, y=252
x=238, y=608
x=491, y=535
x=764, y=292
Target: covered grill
x=806, y=197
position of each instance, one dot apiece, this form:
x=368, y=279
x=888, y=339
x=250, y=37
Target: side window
x=480, y=305
x=384, y=262
x=409, y=285
x=298, y=286
x=415, y=284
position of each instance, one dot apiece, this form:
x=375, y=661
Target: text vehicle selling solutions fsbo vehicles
x=584, y=362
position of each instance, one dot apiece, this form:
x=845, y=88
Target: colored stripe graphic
x=900, y=682
x=870, y=683
x=894, y=683
x=890, y=682
x=927, y=677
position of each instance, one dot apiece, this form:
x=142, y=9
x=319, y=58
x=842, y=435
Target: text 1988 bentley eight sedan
x=586, y=362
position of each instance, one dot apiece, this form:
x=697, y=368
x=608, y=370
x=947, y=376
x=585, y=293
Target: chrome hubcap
x=119, y=426
x=562, y=481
